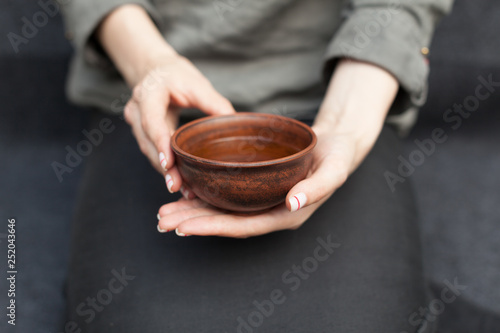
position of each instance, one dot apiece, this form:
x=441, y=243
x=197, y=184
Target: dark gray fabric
x=44, y=40
x=371, y=283
x=36, y=123
x=458, y=199
x=457, y=186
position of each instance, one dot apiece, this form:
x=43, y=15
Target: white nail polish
x=185, y=193
x=297, y=202
x=179, y=233
x=160, y=229
x=158, y=216
x=163, y=161
x=170, y=182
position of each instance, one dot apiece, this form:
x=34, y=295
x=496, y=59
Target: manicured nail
x=180, y=233
x=185, y=192
x=297, y=202
x=161, y=230
x=158, y=216
x=163, y=161
x=170, y=182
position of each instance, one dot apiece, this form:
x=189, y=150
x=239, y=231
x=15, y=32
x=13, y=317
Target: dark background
x=457, y=187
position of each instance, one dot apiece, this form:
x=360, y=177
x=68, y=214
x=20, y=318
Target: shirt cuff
x=391, y=39
x=82, y=17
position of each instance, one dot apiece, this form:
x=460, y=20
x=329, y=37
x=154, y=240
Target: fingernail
x=163, y=161
x=170, y=182
x=185, y=192
x=160, y=229
x=297, y=202
x=158, y=216
x=180, y=233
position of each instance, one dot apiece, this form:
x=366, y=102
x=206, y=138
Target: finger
x=202, y=95
x=173, y=180
x=153, y=104
x=133, y=117
x=175, y=207
x=172, y=221
x=328, y=175
x=187, y=193
x=211, y=101
x=241, y=226
x=181, y=204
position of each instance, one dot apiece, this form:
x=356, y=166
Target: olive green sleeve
x=82, y=17
x=392, y=34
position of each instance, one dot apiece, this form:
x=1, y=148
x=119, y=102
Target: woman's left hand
x=346, y=127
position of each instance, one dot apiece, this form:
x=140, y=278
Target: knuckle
x=340, y=173
x=342, y=176
x=137, y=92
x=205, y=81
x=127, y=113
x=226, y=102
x=163, y=210
x=157, y=141
x=156, y=137
x=183, y=60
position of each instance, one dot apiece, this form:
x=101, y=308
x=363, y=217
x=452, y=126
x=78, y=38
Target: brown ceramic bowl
x=245, y=162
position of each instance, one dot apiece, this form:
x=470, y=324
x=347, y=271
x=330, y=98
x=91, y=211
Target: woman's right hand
x=162, y=82
x=152, y=112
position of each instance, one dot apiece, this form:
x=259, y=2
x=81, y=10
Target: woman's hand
x=162, y=82
x=347, y=126
x=152, y=112
x=332, y=159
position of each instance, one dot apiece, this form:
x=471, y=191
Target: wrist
x=149, y=60
x=358, y=99
x=133, y=42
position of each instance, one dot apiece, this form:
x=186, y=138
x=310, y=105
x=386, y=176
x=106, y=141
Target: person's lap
x=368, y=279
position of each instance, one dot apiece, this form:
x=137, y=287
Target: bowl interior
x=244, y=138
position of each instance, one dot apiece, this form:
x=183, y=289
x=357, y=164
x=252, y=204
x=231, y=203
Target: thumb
x=331, y=172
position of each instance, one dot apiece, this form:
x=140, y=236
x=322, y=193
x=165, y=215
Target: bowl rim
x=303, y=152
